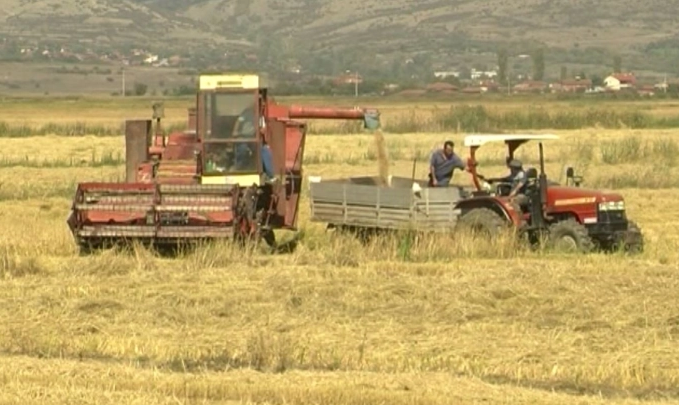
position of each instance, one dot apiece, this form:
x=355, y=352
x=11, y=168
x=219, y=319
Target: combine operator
x=442, y=165
x=244, y=154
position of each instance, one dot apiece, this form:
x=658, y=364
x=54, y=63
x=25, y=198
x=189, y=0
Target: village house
x=666, y=85
x=348, y=78
x=530, y=86
x=571, y=86
x=441, y=88
x=474, y=90
x=150, y=59
x=444, y=74
x=162, y=63
x=480, y=74
x=620, y=81
x=489, y=85
x=175, y=60
x=646, y=90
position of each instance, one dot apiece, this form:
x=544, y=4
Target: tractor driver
x=518, y=180
x=516, y=177
x=442, y=164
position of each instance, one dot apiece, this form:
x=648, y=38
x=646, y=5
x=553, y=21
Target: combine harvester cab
x=235, y=174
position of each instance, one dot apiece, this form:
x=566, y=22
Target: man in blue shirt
x=442, y=164
x=267, y=162
x=245, y=159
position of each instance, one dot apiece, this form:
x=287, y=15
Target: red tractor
x=580, y=218
x=235, y=174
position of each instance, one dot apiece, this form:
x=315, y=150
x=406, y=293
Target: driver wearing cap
x=516, y=177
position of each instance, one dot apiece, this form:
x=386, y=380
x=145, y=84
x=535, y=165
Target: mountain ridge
x=364, y=28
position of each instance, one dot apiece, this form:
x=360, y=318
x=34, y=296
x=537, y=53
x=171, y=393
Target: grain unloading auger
x=235, y=174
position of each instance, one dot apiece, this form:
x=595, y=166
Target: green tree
x=597, y=81
x=502, y=60
x=538, y=64
x=140, y=89
x=617, y=64
x=564, y=73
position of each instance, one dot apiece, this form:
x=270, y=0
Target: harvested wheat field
x=336, y=322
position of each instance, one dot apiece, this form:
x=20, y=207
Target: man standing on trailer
x=442, y=164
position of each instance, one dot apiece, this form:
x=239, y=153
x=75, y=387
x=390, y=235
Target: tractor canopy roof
x=482, y=139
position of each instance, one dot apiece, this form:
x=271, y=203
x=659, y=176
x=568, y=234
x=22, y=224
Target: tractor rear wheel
x=482, y=221
x=570, y=235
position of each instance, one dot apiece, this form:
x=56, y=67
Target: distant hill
x=446, y=28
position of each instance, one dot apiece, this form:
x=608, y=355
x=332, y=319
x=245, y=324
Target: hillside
x=366, y=27
x=95, y=21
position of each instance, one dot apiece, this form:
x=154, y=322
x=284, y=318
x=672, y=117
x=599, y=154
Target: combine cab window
x=231, y=158
x=231, y=115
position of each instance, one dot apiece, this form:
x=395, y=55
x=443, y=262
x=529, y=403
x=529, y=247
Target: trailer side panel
x=372, y=206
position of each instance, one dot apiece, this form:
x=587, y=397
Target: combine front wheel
x=570, y=235
x=248, y=232
x=245, y=230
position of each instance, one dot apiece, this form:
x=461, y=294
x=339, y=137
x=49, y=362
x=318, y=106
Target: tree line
x=538, y=66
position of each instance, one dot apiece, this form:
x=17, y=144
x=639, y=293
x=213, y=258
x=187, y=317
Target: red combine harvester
x=235, y=174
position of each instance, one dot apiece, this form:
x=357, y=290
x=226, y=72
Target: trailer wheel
x=481, y=221
x=570, y=235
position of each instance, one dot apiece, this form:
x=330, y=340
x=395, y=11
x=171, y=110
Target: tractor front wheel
x=570, y=235
x=482, y=221
x=632, y=240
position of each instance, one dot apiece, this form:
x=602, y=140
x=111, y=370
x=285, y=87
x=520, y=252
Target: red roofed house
x=411, y=93
x=348, y=79
x=571, y=86
x=647, y=90
x=442, y=87
x=473, y=90
x=489, y=85
x=619, y=81
x=530, y=86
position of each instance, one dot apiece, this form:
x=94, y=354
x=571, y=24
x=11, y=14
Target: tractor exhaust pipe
x=543, y=177
x=543, y=184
